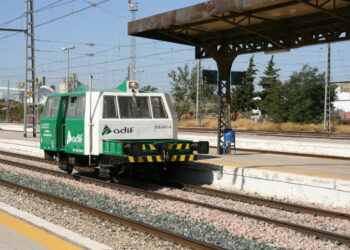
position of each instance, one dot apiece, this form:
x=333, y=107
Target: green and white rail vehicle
x=115, y=130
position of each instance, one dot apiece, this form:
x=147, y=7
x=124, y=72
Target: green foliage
x=242, y=96
x=184, y=89
x=149, y=88
x=300, y=99
x=267, y=83
x=180, y=89
x=17, y=112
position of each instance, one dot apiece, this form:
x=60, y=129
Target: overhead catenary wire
x=60, y=17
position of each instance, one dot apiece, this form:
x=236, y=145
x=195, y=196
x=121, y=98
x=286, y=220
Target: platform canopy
x=250, y=25
x=224, y=29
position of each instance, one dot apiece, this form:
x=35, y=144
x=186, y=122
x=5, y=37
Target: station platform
x=309, y=179
x=22, y=230
x=310, y=166
x=18, y=234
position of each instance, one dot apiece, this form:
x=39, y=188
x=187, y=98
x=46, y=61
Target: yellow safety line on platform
x=291, y=166
x=46, y=239
x=277, y=169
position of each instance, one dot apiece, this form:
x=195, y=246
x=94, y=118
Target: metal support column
x=224, y=57
x=197, y=92
x=327, y=93
x=30, y=106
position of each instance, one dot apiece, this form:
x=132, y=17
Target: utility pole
x=7, y=101
x=133, y=7
x=327, y=93
x=197, y=92
x=30, y=109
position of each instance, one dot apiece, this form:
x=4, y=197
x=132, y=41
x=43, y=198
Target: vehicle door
x=64, y=106
x=74, y=125
x=49, y=135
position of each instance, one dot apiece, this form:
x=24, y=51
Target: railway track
x=116, y=219
x=319, y=135
x=272, y=203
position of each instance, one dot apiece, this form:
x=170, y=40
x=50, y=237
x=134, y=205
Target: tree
x=242, y=96
x=149, y=88
x=300, y=99
x=184, y=89
x=180, y=89
x=267, y=83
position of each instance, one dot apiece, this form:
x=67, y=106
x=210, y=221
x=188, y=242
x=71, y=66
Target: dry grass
x=253, y=125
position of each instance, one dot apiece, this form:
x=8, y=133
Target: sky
x=61, y=23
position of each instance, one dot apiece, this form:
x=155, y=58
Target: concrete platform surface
x=21, y=230
x=17, y=234
x=311, y=166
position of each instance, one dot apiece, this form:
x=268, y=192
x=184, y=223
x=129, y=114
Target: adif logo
x=124, y=130
x=106, y=130
x=74, y=139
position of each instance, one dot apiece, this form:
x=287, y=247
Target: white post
x=67, y=84
x=90, y=122
x=7, y=101
x=197, y=93
x=63, y=49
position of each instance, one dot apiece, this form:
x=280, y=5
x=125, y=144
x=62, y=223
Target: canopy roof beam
x=251, y=31
x=329, y=12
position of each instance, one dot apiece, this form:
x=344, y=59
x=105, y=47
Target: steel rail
x=316, y=135
x=270, y=133
x=164, y=234
x=299, y=228
x=198, y=189
x=267, y=202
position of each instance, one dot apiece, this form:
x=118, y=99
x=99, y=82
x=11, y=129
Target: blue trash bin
x=229, y=138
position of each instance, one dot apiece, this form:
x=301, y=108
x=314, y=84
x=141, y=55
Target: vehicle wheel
x=116, y=174
x=48, y=155
x=65, y=166
x=69, y=169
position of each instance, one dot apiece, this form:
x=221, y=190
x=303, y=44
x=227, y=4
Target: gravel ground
x=316, y=205
x=110, y=234
x=216, y=227
x=324, y=223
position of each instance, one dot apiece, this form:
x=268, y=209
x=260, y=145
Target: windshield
x=134, y=107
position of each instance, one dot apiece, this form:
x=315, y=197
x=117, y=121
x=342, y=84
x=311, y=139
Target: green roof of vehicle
x=82, y=89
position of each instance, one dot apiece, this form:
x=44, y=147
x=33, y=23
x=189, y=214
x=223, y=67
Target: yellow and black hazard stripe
x=170, y=146
x=183, y=158
x=148, y=147
x=179, y=146
x=159, y=158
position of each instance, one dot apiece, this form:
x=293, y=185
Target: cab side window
x=158, y=107
x=81, y=107
x=109, y=107
x=51, y=107
x=76, y=107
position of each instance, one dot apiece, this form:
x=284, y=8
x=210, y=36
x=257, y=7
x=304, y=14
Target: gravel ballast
x=125, y=207
x=212, y=226
x=95, y=228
